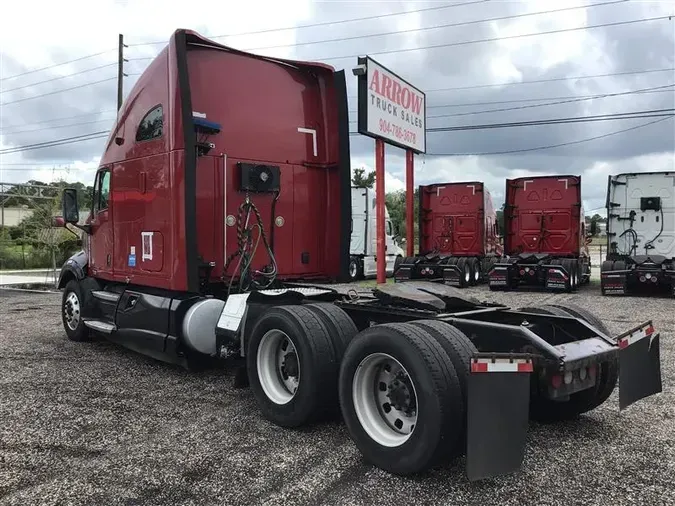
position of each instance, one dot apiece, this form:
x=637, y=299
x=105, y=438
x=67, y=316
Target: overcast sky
x=491, y=75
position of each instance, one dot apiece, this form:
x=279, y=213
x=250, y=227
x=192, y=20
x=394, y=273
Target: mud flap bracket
x=498, y=401
x=639, y=365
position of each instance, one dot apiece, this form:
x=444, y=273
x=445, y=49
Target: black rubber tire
x=355, y=267
x=441, y=415
x=575, y=270
x=607, y=265
x=609, y=370
x=316, y=395
x=459, y=349
x=81, y=332
x=566, y=264
x=582, y=313
x=340, y=326
x=397, y=262
x=546, y=410
x=474, y=266
x=463, y=265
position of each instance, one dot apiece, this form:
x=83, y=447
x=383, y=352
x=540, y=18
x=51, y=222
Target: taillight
x=556, y=380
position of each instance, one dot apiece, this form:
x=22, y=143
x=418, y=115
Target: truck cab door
x=101, y=240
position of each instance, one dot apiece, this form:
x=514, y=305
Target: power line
x=325, y=23
x=495, y=39
x=58, y=127
x=449, y=25
x=520, y=100
x=572, y=100
x=559, y=121
x=58, y=91
x=551, y=146
x=55, y=142
x=88, y=115
x=653, y=113
x=57, y=65
x=538, y=81
x=59, y=77
x=463, y=23
x=553, y=79
x=33, y=167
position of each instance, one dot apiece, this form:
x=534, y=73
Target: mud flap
x=639, y=365
x=613, y=282
x=451, y=275
x=497, y=414
x=500, y=276
x=557, y=278
x=403, y=273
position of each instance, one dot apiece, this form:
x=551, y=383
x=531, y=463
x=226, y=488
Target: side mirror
x=71, y=212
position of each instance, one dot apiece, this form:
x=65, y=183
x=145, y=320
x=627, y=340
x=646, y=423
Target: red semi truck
x=458, y=235
x=545, y=242
x=225, y=178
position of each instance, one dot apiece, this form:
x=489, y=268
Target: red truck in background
x=458, y=235
x=545, y=240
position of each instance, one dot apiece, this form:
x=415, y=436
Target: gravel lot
x=96, y=424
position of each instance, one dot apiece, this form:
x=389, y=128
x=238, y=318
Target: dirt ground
x=96, y=424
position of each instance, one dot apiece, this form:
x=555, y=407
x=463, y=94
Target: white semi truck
x=363, y=247
x=640, y=234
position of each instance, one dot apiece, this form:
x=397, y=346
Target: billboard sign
x=390, y=108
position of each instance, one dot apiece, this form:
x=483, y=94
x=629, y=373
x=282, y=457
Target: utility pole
x=120, y=70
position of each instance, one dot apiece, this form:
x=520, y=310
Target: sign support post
x=379, y=212
x=409, y=203
x=392, y=111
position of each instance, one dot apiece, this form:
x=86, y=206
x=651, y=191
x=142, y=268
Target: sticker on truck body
x=146, y=241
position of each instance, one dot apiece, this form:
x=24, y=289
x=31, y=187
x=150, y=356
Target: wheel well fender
x=74, y=268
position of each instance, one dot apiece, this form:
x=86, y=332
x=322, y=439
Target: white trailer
x=640, y=233
x=363, y=247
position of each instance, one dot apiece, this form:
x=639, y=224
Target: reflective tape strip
x=624, y=342
x=501, y=365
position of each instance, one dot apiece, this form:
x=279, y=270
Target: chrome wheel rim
x=467, y=273
x=278, y=366
x=385, y=399
x=71, y=311
x=352, y=269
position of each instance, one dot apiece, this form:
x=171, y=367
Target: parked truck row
x=545, y=240
x=223, y=197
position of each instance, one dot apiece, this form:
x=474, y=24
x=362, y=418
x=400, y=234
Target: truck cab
x=363, y=245
x=223, y=173
x=640, y=234
x=459, y=237
x=545, y=241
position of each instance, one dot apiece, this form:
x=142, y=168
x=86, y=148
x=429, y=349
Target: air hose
x=246, y=251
